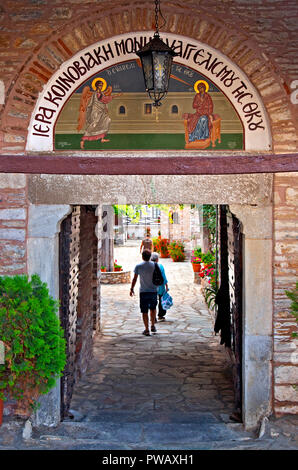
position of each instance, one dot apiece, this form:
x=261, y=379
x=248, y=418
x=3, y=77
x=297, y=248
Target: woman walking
x=162, y=288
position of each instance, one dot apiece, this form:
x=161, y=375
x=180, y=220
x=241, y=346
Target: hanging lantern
x=156, y=58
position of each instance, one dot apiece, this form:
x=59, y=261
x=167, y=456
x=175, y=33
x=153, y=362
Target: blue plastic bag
x=166, y=301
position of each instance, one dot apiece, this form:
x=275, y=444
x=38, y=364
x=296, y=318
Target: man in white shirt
x=148, y=291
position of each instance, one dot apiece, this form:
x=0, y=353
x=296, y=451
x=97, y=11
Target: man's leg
x=153, y=318
x=146, y=321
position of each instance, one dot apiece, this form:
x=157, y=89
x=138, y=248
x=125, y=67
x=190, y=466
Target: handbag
x=166, y=301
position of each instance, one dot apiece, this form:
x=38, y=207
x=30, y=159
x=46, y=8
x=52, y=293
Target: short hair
x=146, y=255
x=154, y=256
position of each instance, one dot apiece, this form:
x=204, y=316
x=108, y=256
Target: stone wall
x=13, y=224
x=117, y=277
x=284, y=278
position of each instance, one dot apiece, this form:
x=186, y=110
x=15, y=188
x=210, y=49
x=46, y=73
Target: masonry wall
x=13, y=224
x=285, y=255
x=259, y=36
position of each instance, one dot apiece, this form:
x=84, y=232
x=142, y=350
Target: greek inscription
x=90, y=61
x=198, y=57
x=188, y=50
x=240, y=92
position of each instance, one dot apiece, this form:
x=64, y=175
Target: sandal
x=146, y=333
x=153, y=329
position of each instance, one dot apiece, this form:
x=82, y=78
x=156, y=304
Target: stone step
x=157, y=416
x=184, y=431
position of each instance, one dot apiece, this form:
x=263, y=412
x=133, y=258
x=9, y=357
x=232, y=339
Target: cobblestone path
x=181, y=369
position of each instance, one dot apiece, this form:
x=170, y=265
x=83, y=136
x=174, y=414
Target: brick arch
x=203, y=25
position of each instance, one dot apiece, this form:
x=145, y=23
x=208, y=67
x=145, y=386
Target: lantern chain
x=157, y=9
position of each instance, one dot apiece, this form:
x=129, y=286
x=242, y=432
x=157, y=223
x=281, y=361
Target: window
x=174, y=109
x=122, y=109
x=148, y=108
x=175, y=218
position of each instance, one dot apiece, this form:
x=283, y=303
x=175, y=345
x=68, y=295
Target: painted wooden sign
x=97, y=101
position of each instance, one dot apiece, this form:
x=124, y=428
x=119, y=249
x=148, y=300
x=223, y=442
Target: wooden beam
x=148, y=165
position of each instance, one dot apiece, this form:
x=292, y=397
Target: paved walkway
x=182, y=368
x=172, y=390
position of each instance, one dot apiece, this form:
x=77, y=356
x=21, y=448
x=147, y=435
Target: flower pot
x=117, y=269
x=103, y=270
x=1, y=411
x=164, y=255
x=196, y=267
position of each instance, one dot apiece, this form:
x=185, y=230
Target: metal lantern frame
x=156, y=58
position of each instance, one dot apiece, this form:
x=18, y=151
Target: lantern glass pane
x=147, y=71
x=160, y=66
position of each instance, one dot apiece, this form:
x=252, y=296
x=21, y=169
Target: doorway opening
x=184, y=368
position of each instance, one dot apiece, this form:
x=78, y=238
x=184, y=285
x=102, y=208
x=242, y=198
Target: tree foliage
x=33, y=339
x=209, y=217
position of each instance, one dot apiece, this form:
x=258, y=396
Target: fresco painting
x=111, y=110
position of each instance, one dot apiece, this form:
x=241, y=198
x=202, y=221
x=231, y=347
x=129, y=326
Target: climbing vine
x=209, y=217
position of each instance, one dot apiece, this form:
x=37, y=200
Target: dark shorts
x=148, y=301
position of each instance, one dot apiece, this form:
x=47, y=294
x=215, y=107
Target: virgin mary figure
x=199, y=124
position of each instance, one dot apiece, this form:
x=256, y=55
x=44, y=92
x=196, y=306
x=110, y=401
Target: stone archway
x=249, y=200
x=203, y=23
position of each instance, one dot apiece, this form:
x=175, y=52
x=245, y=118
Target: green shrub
x=33, y=338
x=176, y=250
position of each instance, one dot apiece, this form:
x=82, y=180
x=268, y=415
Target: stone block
x=12, y=214
x=44, y=220
x=286, y=357
x=12, y=180
x=288, y=409
x=258, y=348
x=12, y=234
x=286, y=375
x=258, y=287
x=42, y=254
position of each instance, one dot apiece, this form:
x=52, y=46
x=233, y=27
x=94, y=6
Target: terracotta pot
x=164, y=255
x=1, y=411
x=117, y=269
x=196, y=267
x=104, y=270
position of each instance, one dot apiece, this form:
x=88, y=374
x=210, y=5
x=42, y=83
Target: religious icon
x=93, y=111
x=201, y=127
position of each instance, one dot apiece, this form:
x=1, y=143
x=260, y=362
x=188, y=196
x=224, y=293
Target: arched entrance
x=254, y=212
x=249, y=197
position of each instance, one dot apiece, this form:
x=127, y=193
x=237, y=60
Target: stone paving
x=172, y=390
x=180, y=368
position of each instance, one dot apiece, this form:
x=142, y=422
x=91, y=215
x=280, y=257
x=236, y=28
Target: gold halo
x=196, y=85
x=99, y=79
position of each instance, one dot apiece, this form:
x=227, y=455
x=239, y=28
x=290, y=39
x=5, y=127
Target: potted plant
x=176, y=250
x=156, y=245
x=33, y=339
x=196, y=263
x=163, y=246
x=103, y=269
x=117, y=267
